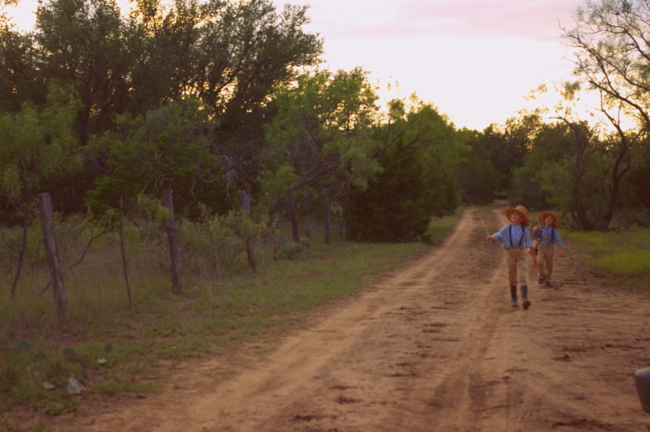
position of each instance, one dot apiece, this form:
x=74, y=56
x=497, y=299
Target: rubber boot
x=513, y=296
x=524, y=296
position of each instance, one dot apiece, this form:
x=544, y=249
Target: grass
x=440, y=227
x=212, y=317
x=624, y=254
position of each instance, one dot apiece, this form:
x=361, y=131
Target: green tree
x=595, y=160
x=549, y=146
x=229, y=55
x=634, y=188
x=508, y=146
x=418, y=149
x=80, y=43
x=320, y=136
x=19, y=74
x=586, y=182
x=169, y=148
x=37, y=145
x=477, y=177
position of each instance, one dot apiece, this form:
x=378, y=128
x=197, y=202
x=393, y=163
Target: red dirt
x=435, y=346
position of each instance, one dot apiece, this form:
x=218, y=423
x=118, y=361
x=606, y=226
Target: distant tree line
x=206, y=98
x=596, y=173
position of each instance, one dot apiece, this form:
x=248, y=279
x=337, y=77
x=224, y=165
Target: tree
x=634, y=189
x=320, y=136
x=509, y=145
x=550, y=145
x=477, y=177
x=80, y=43
x=611, y=42
x=417, y=149
x=229, y=55
x=19, y=74
x=595, y=160
x=169, y=148
x=36, y=146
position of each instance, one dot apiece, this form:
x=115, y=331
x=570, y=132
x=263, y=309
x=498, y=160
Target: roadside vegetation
x=110, y=350
x=623, y=254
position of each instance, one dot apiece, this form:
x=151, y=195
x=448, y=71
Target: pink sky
x=474, y=59
x=537, y=20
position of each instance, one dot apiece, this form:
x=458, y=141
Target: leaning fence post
x=172, y=235
x=47, y=223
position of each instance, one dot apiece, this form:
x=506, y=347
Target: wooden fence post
x=326, y=217
x=245, y=202
x=123, y=253
x=58, y=289
x=172, y=235
x=292, y=216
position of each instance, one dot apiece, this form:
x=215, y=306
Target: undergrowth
x=622, y=253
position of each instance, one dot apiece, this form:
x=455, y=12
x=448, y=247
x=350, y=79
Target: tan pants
x=517, y=266
x=545, y=261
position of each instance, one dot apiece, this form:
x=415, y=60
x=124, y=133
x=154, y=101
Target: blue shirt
x=514, y=236
x=548, y=235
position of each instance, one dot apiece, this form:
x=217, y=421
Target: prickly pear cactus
x=24, y=346
x=69, y=353
x=84, y=361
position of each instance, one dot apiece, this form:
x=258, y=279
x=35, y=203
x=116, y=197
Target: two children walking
x=517, y=242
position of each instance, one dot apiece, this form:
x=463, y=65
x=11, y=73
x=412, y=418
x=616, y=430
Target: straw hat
x=521, y=210
x=542, y=216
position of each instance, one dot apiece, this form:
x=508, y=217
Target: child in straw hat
x=516, y=241
x=547, y=234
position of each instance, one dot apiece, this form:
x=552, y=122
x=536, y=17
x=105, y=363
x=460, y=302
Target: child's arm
x=497, y=236
x=560, y=253
x=532, y=253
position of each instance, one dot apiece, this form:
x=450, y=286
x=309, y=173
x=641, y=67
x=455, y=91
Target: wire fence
x=210, y=248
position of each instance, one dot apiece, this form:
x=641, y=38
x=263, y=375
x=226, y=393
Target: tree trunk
x=306, y=216
x=292, y=216
x=327, y=222
x=58, y=289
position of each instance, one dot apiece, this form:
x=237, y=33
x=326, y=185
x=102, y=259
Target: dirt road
x=435, y=346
